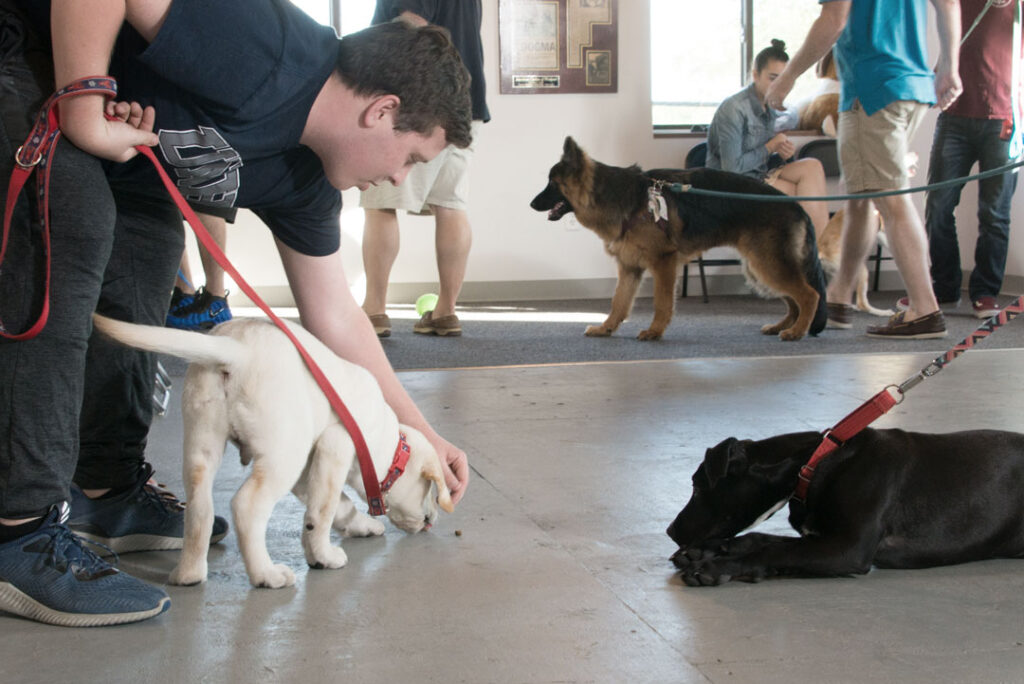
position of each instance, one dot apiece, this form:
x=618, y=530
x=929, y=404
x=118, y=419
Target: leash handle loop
x=34, y=155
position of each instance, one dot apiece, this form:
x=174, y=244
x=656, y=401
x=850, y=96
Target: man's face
x=383, y=156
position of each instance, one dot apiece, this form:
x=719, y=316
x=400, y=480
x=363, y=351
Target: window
x=702, y=52
x=345, y=16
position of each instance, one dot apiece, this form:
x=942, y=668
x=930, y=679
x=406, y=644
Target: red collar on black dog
x=845, y=429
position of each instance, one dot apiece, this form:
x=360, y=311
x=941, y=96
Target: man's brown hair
x=419, y=65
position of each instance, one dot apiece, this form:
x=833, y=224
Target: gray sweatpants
x=114, y=249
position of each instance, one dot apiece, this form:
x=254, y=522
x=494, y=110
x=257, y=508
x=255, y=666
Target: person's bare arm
x=822, y=35
x=329, y=311
x=83, y=33
x=948, y=86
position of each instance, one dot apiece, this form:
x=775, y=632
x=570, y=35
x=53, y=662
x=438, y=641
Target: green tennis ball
x=425, y=303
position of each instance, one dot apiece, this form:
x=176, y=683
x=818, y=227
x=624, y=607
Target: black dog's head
x=565, y=176
x=738, y=484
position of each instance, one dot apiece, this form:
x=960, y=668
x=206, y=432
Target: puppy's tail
x=816, y=277
x=196, y=347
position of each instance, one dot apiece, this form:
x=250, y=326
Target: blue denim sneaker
x=202, y=313
x=50, y=576
x=145, y=517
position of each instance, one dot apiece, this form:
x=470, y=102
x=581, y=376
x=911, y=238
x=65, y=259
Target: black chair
x=825, y=151
x=695, y=158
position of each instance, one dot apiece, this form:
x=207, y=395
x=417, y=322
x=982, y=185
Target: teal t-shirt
x=882, y=54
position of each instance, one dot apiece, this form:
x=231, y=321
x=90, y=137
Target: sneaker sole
x=835, y=325
x=982, y=315
x=138, y=542
x=18, y=603
x=919, y=336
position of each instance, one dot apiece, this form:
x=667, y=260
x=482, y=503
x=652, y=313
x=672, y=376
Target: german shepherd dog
x=775, y=239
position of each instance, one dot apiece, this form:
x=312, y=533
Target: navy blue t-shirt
x=232, y=84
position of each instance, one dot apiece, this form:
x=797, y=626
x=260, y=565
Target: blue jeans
x=960, y=142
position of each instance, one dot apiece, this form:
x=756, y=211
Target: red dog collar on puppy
x=397, y=464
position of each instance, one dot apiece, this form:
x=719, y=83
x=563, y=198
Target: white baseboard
x=590, y=288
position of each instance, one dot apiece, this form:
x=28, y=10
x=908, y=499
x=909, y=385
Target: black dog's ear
x=727, y=455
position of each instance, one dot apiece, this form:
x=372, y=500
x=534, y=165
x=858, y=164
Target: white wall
x=516, y=251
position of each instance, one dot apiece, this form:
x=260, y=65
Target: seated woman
x=742, y=139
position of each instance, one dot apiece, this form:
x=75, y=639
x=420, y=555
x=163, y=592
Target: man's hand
x=778, y=90
x=947, y=89
x=83, y=120
x=455, y=466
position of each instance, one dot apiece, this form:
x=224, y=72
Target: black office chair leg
x=878, y=266
x=703, y=280
x=686, y=278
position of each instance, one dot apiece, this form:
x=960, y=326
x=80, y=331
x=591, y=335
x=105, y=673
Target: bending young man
x=288, y=117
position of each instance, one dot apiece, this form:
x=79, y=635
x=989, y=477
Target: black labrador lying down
x=887, y=498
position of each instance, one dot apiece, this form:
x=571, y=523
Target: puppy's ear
x=719, y=460
x=432, y=471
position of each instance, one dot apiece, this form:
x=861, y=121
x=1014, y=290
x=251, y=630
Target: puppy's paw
x=649, y=334
x=185, y=576
x=597, y=331
x=274, y=577
x=362, y=525
x=330, y=558
x=772, y=329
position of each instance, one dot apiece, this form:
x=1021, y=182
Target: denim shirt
x=738, y=132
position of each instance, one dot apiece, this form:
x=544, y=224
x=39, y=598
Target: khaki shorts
x=873, y=149
x=441, y=182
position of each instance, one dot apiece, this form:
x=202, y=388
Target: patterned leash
x=892, y=395
x=35, y=155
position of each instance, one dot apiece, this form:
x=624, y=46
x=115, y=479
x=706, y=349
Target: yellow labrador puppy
x=247, y=383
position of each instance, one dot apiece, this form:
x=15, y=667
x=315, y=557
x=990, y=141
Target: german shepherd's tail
x=816, y=278
x=208, y=349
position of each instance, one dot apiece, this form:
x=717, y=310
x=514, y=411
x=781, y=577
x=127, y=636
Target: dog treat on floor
x=645, y=226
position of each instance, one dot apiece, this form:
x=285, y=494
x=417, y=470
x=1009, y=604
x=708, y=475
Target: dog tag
x=656, y=204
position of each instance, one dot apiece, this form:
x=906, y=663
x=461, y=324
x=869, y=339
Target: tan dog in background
x=829, y=248
x=247, y=383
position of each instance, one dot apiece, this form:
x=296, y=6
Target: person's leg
x=995, y=195
x=909, y=246
x=857, y=240
x=118, y=406
x=41, y=379
x=380, y=248
x=217, y=227
x=453, y=238
x=805, y=178
x=951, y=157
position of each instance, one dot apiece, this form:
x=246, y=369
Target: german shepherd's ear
x=572, y=155
x=727, y=456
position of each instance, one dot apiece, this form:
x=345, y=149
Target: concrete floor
x=561, y=571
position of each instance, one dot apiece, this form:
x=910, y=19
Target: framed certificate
x=558, y=46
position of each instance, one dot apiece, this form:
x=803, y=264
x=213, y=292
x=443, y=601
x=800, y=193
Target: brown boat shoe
x=381, y=324
x=445, y=326
x=924, y=328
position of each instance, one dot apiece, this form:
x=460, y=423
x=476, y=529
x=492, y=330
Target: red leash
x=36, y=153
x=880, y=404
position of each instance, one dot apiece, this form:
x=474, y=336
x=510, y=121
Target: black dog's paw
x=704, y=574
